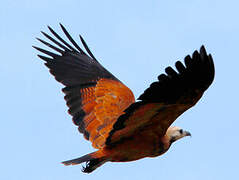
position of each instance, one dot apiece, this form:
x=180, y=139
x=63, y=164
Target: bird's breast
x=137, y=147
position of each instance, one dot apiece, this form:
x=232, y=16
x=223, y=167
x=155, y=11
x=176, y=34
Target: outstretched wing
x=94, y=96
x=166, y=99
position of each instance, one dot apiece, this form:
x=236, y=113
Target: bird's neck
x=166, y=141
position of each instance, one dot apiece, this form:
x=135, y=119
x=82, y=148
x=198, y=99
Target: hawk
x=105, y=110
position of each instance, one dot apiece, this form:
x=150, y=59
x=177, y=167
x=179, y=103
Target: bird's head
x=174, y=133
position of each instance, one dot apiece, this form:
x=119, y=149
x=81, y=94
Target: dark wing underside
x=71, y=65
x=167, y=98
x=94, y=96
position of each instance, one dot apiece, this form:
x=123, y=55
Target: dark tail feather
x=92, y=162
x=76, y=161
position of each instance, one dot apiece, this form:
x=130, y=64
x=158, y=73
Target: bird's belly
x=136, y=147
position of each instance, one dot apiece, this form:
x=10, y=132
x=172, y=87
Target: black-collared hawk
x=105, y=110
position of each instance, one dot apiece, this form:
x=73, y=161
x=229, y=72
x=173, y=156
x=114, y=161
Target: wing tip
x=64, y=44
x=192, y=76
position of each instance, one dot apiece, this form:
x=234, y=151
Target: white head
x=174, y=133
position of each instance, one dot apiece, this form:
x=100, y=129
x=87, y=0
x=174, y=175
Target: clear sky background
x=135, y=40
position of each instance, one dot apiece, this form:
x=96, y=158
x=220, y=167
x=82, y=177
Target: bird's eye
x=181, y=131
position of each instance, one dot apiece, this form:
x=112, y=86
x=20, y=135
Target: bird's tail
x=93, y=161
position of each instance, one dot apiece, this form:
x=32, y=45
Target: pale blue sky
x=135, y=40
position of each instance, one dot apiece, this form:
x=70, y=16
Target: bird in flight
x=105, y=110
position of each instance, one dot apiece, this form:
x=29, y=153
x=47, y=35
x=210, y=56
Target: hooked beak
x=186, y=133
